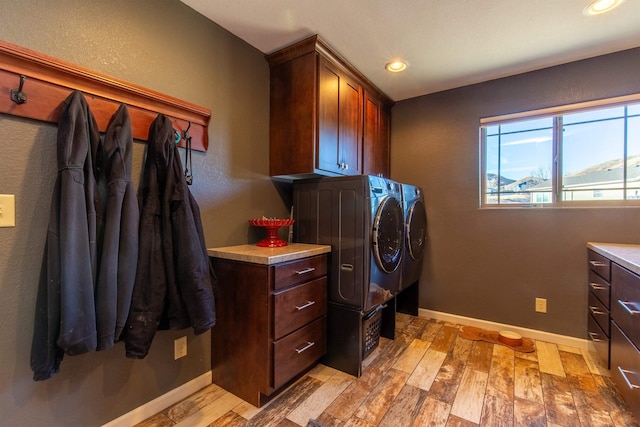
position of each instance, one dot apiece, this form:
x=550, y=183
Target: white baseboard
x=160, y=403
x=582, y=344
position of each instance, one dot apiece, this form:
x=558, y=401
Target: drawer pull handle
x=597, y=286
x=625, y=305
x=624, y=373
x=302, y=307
x=596, y=310
x=594, y=337
x=305, y=271
x=597, y=264
x=306, y=347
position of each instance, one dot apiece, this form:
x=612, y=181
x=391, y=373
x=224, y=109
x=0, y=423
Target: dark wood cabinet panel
x=377, y=126
x=625, y=307
x=264, y=314
x=299, y=350
x=600, y=264
x=299, y=305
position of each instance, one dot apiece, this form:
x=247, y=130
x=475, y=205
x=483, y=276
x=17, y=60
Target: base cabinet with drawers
x=598, y=318
x=621, y=299
x=271, y=323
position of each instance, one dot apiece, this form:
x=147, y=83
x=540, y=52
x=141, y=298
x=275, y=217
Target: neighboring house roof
x=593, y=178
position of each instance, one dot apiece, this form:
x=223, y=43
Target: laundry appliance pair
x=375, y=254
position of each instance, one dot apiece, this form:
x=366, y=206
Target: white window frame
x=556, y=113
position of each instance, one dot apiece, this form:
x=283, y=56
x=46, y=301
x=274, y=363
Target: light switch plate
x=7, y=210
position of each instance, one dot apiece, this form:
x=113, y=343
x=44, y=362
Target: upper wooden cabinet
x=377, y=127
x=326, y=118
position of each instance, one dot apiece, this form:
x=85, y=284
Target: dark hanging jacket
x=119, y=250
x=65, y=319
x=174, y=280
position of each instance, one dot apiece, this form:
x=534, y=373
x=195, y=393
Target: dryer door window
x=416, y=230
x=387, y=234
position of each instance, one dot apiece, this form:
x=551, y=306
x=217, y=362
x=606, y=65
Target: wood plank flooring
x=429, y=376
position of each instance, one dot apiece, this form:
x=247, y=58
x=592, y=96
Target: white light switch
x=7, y=210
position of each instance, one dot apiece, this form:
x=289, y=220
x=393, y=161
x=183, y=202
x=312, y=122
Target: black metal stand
x=408, y=300
x=345, y=335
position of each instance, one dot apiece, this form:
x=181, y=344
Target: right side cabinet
x=614, y=323
x=625, y=334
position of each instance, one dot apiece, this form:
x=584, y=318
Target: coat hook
x=18, y=96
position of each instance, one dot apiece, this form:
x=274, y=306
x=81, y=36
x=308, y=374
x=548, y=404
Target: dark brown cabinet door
x=376, y=136
x=339, y=118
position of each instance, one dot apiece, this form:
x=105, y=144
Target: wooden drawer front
x=298, y=351
x=625, y=304
x=625, y=369
x=599, y=313
x=297, y=306
x=290, y=273
x=600, y=288
x=600, y=264
x=599, y=339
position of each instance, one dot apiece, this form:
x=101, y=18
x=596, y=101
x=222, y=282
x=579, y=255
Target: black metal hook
x=18, y=96
x=188, y=175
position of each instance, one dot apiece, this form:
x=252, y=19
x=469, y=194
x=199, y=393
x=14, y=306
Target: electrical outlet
x=541, y=305
x=179, y=348
x=7, y=210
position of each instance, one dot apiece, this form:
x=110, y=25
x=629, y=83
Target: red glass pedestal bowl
x=272, y=225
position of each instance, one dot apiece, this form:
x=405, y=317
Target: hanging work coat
x=119, y=248
x=174, y=279
x=65, y=320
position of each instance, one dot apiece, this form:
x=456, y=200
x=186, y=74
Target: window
x=580, y=155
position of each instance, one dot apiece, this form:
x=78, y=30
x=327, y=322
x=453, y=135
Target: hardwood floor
x=429, y=376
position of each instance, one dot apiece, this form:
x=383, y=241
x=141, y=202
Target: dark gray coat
x=65, y=320
x=174, y=280
x=119, y=247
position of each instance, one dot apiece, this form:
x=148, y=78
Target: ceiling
x=447, y=43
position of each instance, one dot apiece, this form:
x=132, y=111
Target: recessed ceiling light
x=396, y=66
x=601, y=6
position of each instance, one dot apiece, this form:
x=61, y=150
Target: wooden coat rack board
x=48, y=81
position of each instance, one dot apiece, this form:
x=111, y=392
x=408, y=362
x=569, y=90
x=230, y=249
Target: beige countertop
x=268, y=256
x=626, y=255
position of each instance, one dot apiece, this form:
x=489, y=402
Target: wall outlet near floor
x=179, y=348
x=541, y=305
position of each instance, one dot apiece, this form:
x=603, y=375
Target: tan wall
x=167, y=47
x=491, y=264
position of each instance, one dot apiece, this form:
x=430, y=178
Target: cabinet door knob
x=597, y=286
x=597, y=263
x=305, y=271
x=626, y=304
x=596, y=311
x=306, y=347
x=302, y=307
